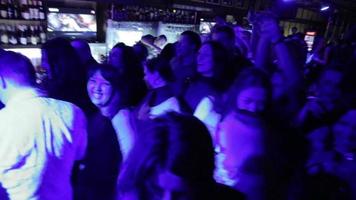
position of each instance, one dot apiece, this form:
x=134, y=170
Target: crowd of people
x=236, y=115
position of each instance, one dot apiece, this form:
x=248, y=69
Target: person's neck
x=12, y=92
x=109, y=111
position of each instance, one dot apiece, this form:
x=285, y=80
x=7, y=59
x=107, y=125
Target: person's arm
x=287, y=64
x=81, y=135
x=124, y=128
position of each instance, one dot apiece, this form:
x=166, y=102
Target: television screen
x=205, y=27
x=65, y=22
x=72, y=23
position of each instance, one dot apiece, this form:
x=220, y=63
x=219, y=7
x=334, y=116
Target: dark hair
x=84, y=45
x=67, y=74
x=193, y=37
x=131, y=68
x=112, y=75
x=17, y=67
x=224, y=29
x=168, y=51
x=162, y=37
x=221, y=64
x=250, y=77
x=162, y=66
x=150, y=38
x=175, y=142
x=140, y=51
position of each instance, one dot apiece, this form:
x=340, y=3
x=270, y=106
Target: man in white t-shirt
x=40, y=137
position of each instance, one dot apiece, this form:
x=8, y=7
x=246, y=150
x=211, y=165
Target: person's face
x=345, y=132
x=205, y=60
x=99, y=89
x=173, y=187
x=252, y=99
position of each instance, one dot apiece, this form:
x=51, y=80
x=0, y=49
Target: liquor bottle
x=35, y=10
x=41, y=10
x=10, y=9
x=28, y=34
x=25, y=12
x=16, y=10
x=4, y=35
x=33, y=35
x=42, y=35
x=13, y=36
x=30, y=9
x=37, y=34
x=3, y=9
x=23, y=37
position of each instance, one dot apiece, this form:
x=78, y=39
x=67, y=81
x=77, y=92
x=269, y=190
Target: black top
x=103, y=156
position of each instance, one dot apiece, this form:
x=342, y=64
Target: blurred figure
x=243, y=41
x=124, y=59
x=168, y=52
x=65, y=75
x=241, y=159
x=333, y=153
x=160, y=98
x=172, y=163
x=184, y=62
x=141, y=51
x=40, y=137
x=205, y=94
x=225, y=36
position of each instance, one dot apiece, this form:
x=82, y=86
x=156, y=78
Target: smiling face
x=99, y=90
x=205, y=60
x=252, y=99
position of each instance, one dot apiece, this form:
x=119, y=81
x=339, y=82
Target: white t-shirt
x=40, y=138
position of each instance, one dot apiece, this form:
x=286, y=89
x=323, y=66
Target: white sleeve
x=124, y=131
x=206, y=113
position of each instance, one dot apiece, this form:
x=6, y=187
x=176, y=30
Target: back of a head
x=82, y=48
x=193, y=37
x=17, y=68
x=224, y=30
x=63, y=61
x=177, y=143
x=189, y=152
x=168, y=51
x=140, y=51
x=162, y=66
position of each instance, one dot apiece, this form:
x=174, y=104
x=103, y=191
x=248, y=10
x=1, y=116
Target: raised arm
x=271, y=36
